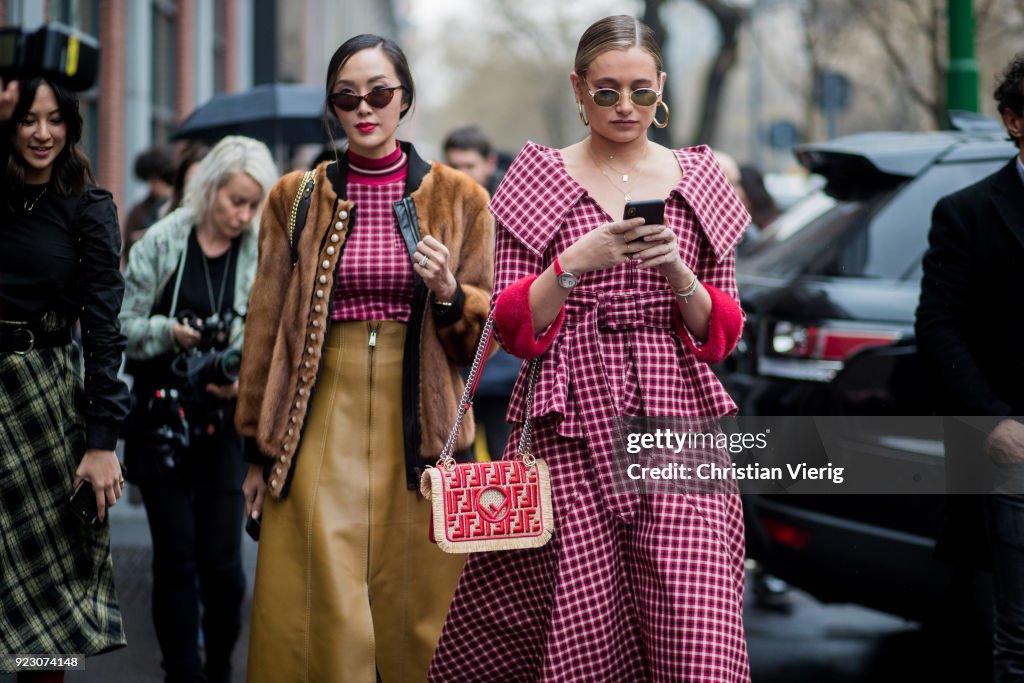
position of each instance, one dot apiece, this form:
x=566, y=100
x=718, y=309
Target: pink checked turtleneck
x=390, y=169
x=375, y=279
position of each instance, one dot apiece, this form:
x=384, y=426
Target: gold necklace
x=29, y=206
x=625, y=176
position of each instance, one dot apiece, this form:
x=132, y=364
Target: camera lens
x=220, y=367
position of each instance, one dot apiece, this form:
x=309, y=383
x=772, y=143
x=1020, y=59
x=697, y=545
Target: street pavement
x=811, y=643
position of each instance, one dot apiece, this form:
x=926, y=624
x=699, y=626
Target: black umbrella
x=275, y=113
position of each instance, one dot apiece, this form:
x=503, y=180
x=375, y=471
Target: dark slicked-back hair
x=1009, y=93
x=369, y=41
x=469, y=138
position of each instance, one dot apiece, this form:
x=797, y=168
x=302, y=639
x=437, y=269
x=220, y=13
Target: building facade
x=159, y=59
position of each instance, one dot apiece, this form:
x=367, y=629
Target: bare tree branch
x=982, y=9
x=881, y=32
x=729, y=19
x=937, y=61
x=919, y=15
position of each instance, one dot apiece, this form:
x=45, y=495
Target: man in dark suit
x=970, y=330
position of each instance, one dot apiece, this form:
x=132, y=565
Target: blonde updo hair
x=619, y=32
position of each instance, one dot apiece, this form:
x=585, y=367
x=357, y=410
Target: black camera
x=186, y=411
x=214, y=331
x=209, y=367
x=55, y=52
x=210, y=362
x=168, y=436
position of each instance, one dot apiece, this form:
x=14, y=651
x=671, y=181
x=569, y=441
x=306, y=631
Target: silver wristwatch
x=566, y=280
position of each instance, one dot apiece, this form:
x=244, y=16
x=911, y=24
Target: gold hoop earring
x=664, y=123
x=583, y=117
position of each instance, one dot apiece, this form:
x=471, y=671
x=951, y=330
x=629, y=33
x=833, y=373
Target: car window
x=897, y=237
x=806, y=235
x=882, y=236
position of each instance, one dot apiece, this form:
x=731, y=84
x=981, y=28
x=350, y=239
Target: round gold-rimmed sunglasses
x=641, y=97
x=378, y=98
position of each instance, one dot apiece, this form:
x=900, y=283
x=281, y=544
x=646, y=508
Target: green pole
x=962, y=80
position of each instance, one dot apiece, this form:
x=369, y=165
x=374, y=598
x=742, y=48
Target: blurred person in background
x=732, y=172
x=350, y=386
x=191, y=155
x=155, y=167
x=969, y=333
x=330, y=152
x=58, y=265
x=759, y=202
x=467, y=149
x=188, y=282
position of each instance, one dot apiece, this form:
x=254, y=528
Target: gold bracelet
x=689, y=290
x=443, y=304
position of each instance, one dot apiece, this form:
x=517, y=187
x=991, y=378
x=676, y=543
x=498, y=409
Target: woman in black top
x=59, y=255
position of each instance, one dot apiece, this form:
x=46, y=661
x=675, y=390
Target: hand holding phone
x=83, y=505
x=252, y=527
x=651, y=210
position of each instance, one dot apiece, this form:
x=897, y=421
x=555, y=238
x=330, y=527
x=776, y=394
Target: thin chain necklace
x=209, y=281
x=31, y=205
x=625, y=176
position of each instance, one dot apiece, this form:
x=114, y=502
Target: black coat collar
x=337, y=173
x=1008, y=197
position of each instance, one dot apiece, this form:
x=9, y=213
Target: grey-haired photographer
x=188, y=282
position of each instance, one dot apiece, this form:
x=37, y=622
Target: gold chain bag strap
x=300, y=207
x=497, y=505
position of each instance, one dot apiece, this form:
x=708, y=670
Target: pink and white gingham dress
x=631, y=587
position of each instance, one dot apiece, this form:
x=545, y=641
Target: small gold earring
x=583, y=117
x=664, y=123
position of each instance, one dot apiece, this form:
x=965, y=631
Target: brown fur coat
x=283, y=348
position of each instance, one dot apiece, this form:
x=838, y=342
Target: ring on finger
x=424, y=260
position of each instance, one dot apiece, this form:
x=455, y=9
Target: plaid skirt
x=56, y=577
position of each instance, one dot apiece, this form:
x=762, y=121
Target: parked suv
x=830, y=291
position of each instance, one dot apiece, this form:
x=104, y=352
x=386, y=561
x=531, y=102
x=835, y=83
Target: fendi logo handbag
x=497, y=505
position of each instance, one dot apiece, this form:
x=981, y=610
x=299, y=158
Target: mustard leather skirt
x=347, y=583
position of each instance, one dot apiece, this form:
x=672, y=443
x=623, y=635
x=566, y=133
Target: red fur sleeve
x=724, y=328
x=514, y=320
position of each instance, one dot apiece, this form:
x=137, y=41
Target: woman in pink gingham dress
x=631, y=587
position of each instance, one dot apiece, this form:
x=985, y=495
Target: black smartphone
x=651, y=210
x=252, y=527
x=83, y=505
